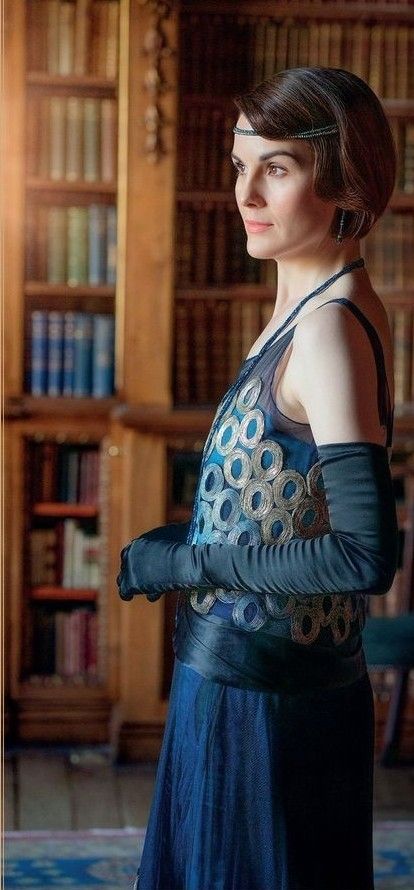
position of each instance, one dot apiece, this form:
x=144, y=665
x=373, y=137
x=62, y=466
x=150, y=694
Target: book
x=83, y=338
x=108, y=147
x=77, y=245
x=97, y=221
x=38, y=344
x=74, y=138
x=55, y=354
x=66, y=45
x=91, y=140
x=111, y=244
x=68, y=352
x=57, y=137
x=56, y=244
x=103, y=356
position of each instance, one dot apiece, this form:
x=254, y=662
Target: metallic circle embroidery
x=209, y=446
x=230, y=467
x=248, y=395
x=277, y=528
x=226, y=596
x=279, y=606
x=314, y=481
x=306, y=624
x=202, y=600
x=204, y=522
x=309, y=518
x=212, y=481
x=282, y=489
x=267, y=460
x=226, y=509
x=253, y=621
x=257, y=499
x=227, y=435
x=340, y=626
x=217, y=537
x=245, y=529
x=252, y=428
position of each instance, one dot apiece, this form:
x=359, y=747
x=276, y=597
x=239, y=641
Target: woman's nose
x=250, y=195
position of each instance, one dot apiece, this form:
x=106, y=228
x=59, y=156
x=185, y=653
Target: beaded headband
x=327, y=130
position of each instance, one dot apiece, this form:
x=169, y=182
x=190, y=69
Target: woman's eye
x=238, y=169
x=275, y=170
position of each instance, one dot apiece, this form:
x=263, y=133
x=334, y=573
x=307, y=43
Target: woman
x=264, y=780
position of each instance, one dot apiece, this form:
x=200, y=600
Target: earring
x=340, y=234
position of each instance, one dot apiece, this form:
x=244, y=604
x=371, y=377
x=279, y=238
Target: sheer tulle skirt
x=262, y=791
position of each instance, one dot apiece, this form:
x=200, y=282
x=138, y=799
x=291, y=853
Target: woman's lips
x=256, y=227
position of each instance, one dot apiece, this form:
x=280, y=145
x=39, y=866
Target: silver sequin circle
x=227, y=435
x=262, y=493
x=217, y=537
x=247, y=437
x=245, y=527
x=277, y=515
x=228, y=495
x=226, y=596
x=245, y=472
x=212, y=481
x=275, y=466
x=202, y=601
x=314, y=481
x=279, y=606
x=282, y=480
x=239, y=617
x=248, y=395
x=305, y=624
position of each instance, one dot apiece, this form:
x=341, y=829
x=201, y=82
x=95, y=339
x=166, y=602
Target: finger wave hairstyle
x=355, y=167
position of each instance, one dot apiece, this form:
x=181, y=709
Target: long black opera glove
x=358, y=555
x=175, y=531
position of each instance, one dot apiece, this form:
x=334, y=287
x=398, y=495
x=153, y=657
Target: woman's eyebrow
x=272, y=154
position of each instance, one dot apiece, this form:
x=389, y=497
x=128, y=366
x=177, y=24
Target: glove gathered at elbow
x=357, y=555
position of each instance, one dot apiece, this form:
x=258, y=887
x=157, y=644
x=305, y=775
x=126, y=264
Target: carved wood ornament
x=156, y=49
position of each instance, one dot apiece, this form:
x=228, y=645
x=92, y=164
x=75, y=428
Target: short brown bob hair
x=355, y=167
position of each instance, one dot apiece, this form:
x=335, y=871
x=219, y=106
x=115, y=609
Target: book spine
x=38, y=365
x=66, y=36
x=103, y=356
x=81, y=37
x=68, y=352
x=55, y=354
x=57, y=137
x=97, y=219
x=82, y=382
x=112, y=39
x=77, y=245
x=52, y=34
x=49, y=471
x=56, y=244
x=68, y=562
x=74, y=136
x=91, y=140
x=111, y=244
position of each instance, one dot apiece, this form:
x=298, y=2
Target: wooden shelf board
x=30, y=406
x=51, y=289
x=296, y=9
x=50, y=592
x=86, y=83
x=399, y=201
x=66, y=690
x=33, y=183
x=191, y=421
x=64, y=509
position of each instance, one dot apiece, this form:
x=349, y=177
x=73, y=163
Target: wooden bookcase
x=188, y=302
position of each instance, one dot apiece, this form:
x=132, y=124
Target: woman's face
x=274, y=192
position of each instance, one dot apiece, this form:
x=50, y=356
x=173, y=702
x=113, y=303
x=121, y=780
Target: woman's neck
x=297, y=277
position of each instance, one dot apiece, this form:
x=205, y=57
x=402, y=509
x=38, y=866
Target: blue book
x=103, y=363
x=97, y=243
x=111, y=245
x=68, y=352
x=55, y=354
x=83, y=336
x=38, y=364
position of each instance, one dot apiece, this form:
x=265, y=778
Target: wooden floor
x=80, y=788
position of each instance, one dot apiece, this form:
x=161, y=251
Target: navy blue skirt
x=262, y=791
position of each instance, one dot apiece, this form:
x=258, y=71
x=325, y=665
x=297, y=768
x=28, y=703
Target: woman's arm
x=359, y=554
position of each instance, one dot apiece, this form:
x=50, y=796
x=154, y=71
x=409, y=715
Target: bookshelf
x=186, y=299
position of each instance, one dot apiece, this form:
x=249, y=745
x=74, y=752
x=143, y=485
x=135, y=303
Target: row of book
x=211, y=247
x=72, y=138
x=250, y=50
x=71, y=245
x=65, y=642
x=208, y=136
x=73, y=37
x=388, y=250
x=213, y=336
x=67, y=555
x=71, y=354
x=63, y=472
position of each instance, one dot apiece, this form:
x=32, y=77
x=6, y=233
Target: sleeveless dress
x=258, y=789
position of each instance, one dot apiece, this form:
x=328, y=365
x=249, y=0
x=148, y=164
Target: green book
x=91, y=140
x=77, y=245
x=56, y=245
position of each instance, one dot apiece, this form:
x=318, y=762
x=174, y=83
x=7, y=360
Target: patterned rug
x=107, y=859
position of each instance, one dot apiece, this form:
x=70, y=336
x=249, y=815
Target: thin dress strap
x=385, y=411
